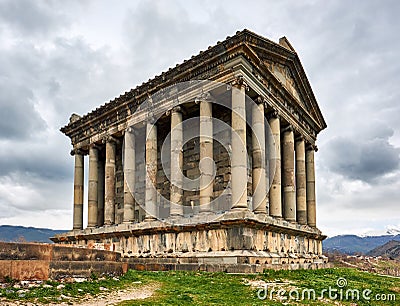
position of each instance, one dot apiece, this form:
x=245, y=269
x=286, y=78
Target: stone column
x=78, y=189
x=93, y=185
x=275, y=192
x=258, y=142
x=109, y=209
x=129, y=175
x=100, y=191
x=206, y=154
x=301, y=206
x=310, y=174
x=151, y=171
x=239, y=152
x=176, y=191
x=289, y=191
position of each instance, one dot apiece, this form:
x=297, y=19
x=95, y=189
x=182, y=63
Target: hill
x=352, y=244
x=10, y=233
x=390, y=249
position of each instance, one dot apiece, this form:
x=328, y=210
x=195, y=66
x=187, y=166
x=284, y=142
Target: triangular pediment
x=282, y=62
x=285, y=76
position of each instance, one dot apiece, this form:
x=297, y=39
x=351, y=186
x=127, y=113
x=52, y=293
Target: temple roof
x=261, y=48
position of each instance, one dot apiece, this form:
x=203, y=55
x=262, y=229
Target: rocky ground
x=73, y=291
x=372, y=264
x=106, y=298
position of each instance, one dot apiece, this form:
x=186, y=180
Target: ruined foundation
x=239, y=242
x=42, y=261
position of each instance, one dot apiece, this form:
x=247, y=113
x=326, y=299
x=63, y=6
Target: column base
x=176, y=215
x=206, y=212
x=260, y=215
x=240, y=207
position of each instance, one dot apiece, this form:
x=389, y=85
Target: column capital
x=131, y=130
x=239, y=82
x=273, y=114
x=260, y=100
x=109, y=138
x=94, y=146
x=288, y=128
x=175, y=109
x=204, y=96
x=299, y=138
x=77, y=151
x=311, y=147
x=150, y=118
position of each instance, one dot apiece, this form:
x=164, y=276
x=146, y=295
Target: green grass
x=190, y=288
x=201, y=288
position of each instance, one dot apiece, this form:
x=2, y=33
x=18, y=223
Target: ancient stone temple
x=209, y=165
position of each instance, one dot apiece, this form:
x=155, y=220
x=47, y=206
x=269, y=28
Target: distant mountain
x=388, y=230
x=390, y=249
x=9, y=233
x=352, y=244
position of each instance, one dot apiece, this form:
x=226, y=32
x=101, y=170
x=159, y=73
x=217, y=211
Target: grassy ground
x=200, y=288
x=183, y=288
x=54, y=292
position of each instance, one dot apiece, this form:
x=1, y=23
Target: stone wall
x=30, y=261
x=243, y=264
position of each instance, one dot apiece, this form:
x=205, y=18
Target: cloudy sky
x=60, y=57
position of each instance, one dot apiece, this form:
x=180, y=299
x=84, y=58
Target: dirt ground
x=106, y=298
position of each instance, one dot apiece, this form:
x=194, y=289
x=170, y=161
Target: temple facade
x=210, y=163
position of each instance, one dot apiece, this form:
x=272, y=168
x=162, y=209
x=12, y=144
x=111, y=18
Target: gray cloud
x=366, y=161
x=18, y=117
x=31, y=17
x=161, y=35
x=34, y=161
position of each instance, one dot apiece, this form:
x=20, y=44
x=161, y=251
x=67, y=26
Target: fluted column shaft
x=78, y=191
x=176, y=190
x=275, y=192
x=129, y=175
x=289, y=191
x=93, y=186
x=239, y=152
x=258, y=142
x=301, y=206
x=206, y=156
x=310, y=174
x=151, y=171
x=109, y=209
